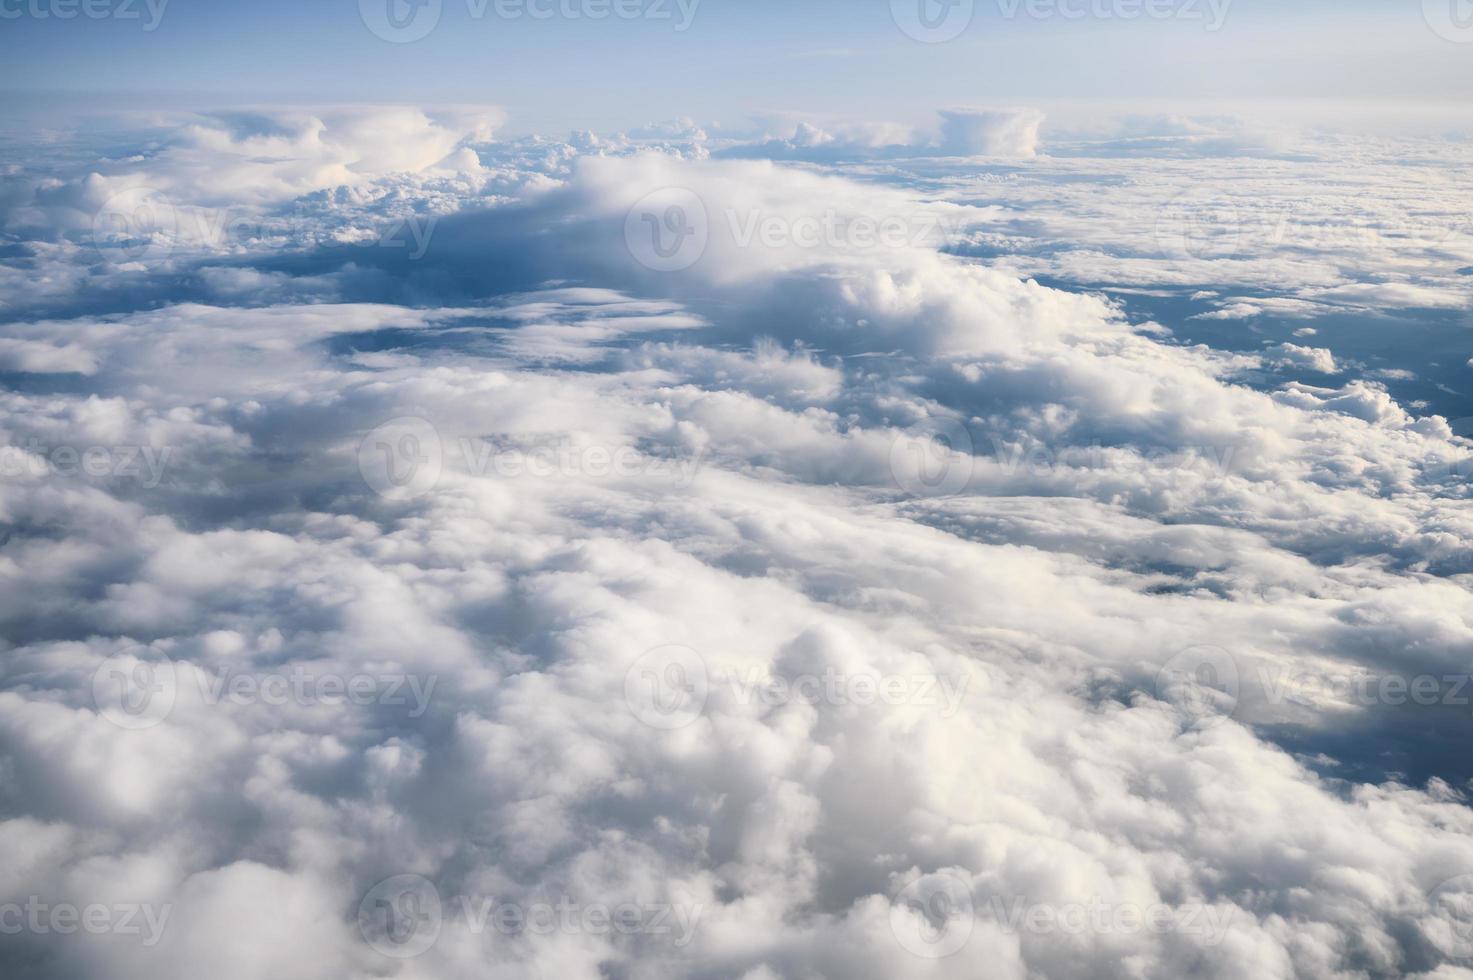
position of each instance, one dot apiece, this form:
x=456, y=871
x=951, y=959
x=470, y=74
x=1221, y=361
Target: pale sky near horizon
x=733, y=60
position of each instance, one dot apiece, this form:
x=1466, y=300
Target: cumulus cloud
x=29, y=356
x=241, y=155
x=1314, y=358
x=990, y=132
x=963, y=132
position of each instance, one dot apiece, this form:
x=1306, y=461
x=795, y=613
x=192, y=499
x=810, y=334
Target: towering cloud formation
x=990, y=132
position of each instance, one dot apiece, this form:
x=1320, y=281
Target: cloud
x=1314, y=358
x=990, y=132
x=964, y=132
x=37, y=358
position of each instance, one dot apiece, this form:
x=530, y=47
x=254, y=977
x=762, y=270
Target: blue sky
x=847, y=59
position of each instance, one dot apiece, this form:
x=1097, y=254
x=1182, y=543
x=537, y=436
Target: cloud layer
x=664, y=566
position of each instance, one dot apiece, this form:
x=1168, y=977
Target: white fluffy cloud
x=990, y=132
